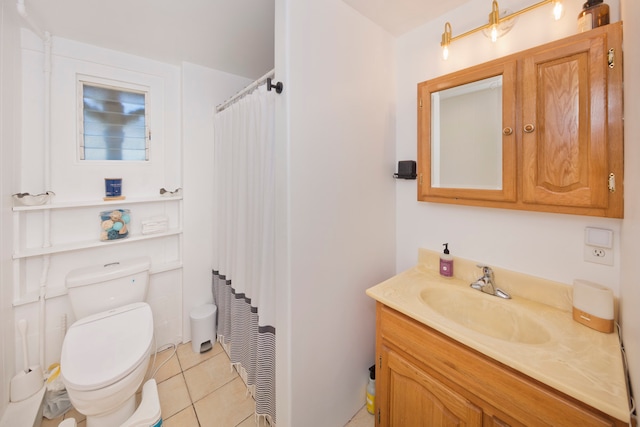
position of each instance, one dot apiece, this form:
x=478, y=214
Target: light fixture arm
x=494, y=16
x=494, y=19
x=446, y=36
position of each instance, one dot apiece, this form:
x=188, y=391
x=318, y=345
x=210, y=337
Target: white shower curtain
x=244, y=261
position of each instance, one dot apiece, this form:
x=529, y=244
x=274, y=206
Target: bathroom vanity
x=447, y=354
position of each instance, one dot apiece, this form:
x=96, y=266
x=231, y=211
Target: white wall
x=542, y=244
x=284, y=391
x=73, y=180
x=339, y=119
x=9, y=134
x=202, y=89
x=630, y=289
x=82, y=180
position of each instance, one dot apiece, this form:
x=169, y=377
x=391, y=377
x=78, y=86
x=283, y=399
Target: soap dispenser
x=446, y=262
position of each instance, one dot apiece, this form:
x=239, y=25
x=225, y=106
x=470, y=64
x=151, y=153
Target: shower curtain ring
x=277, y=86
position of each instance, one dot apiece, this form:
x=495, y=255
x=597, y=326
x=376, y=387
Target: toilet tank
x=103, y=287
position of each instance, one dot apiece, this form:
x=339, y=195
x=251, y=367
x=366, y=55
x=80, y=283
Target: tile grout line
x=191, y=400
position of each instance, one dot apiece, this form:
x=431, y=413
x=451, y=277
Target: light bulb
x=445, y=52
x=494, y=33
x=558, y=10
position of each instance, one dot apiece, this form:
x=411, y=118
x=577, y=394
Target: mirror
x=466, y=135
x=466, y=149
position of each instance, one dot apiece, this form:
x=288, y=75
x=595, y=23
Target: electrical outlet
x=598, y=255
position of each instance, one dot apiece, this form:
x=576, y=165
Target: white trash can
x=203, y=327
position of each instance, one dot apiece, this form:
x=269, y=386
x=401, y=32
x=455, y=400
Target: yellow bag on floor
x=56, y=398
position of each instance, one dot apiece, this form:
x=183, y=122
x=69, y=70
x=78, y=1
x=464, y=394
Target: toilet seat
x=104, y=348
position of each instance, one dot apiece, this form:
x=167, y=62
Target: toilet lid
x=101, y=349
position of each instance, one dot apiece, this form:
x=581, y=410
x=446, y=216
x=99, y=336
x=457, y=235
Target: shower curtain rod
x=266, y=78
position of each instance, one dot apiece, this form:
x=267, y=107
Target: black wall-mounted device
x=406, y=169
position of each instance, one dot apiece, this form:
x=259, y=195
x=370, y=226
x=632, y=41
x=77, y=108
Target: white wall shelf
x=74, y=246
x=90, y=203
x=25, y=295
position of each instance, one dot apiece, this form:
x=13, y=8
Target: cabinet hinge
x=420, y=179
x=611, y=56
x=379, y=416
x=612, y=182
x=420, y=102
x=380, y=363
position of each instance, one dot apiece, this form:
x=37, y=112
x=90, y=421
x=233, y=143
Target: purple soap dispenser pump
x=446, y=262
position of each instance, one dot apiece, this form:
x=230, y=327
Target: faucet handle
x=486, y=270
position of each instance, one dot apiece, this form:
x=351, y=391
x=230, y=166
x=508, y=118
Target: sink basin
x=486, y=314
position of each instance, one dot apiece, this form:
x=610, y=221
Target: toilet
x=105, y=352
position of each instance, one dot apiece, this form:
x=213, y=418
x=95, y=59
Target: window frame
x=81, y=81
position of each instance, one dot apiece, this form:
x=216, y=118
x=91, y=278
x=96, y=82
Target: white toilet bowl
x=104, y=361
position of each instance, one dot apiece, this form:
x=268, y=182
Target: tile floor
x=202, y=390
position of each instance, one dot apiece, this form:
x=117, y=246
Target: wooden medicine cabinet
x=538, y=130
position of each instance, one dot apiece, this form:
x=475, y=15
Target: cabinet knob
x=528, y=128
x=507, y=131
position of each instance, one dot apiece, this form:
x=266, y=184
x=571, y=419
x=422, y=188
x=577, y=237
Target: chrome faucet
x=486, y=284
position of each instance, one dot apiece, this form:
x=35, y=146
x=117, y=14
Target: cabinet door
x=564, y=125
x=415, y=399
x=466, y=143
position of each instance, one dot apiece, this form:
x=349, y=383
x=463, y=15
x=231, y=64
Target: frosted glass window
x=113, y=124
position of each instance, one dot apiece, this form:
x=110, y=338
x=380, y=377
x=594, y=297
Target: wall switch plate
x=598, y=255
x=600, y=237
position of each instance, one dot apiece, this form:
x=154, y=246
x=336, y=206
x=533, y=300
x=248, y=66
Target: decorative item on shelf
x=113, y=189
x=155, y=224
x=175, y=193
x=594, y=14
x=26, y=199
x=114, y=224
x=499, y=23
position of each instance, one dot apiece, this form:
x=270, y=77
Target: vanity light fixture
x=494, y=21
x=495, y=28
x=446, y=40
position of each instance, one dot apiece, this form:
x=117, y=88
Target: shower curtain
x=244, y=261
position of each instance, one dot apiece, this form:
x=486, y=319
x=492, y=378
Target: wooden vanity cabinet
x=426, y=379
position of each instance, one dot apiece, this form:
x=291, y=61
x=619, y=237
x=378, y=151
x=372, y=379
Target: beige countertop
x=550, y=347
